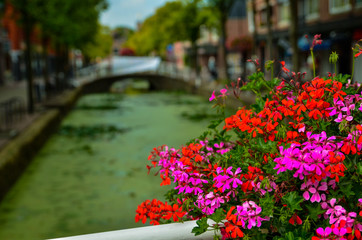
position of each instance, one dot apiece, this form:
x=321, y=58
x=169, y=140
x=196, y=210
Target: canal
x=91, y=175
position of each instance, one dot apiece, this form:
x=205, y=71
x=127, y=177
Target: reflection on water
x=92, y=174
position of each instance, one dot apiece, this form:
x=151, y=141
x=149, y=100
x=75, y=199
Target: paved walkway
x=13, y=89
x=10, y=126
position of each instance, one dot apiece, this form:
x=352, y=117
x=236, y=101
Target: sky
x=128, y=12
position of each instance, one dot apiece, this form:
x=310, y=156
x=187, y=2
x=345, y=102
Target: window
x=263, y=17
x=284, y=13
x=339, y=6
x=311, y=9
x=251, y=18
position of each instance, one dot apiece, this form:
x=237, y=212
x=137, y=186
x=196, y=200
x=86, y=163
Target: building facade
x=13, y=46
x=338, y=21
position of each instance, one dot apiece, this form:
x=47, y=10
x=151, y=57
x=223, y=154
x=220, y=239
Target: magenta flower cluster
x=313, y=190
x=226, y=179
x=344, y=108
x=308, y=158
x=249, y=214
x=341, y=221
x=336, y=214
x=210, y=202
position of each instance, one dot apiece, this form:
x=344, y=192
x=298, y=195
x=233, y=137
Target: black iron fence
x=12, y=112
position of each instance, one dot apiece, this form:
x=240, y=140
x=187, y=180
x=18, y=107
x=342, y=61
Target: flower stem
x=311, y=51
x=352, y=69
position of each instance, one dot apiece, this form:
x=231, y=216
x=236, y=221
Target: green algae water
x=92, y=174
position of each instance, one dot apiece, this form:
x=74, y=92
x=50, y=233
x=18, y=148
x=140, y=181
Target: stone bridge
x=157, y=81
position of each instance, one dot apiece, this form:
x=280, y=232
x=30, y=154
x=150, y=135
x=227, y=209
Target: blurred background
x=211, y=36
x=80, y=181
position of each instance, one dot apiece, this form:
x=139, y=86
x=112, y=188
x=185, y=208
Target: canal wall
x=18, y=153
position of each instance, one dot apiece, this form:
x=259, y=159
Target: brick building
x=339, y=22
x=238, y=42
x=12, y=41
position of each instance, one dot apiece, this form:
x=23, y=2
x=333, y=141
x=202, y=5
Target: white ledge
x=172, y=231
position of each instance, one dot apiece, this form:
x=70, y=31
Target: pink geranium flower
x=223, y=94
x=212, y=96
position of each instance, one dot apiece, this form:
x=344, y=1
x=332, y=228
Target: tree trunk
x=29, y=70
x=244, y=59
x=254, y=26
x=66, y=66
x=58, y=67
x=194, y=63
x=293, y=34
x=269, y=27
x=222, y=72
x=45, y=66
x=2, y=63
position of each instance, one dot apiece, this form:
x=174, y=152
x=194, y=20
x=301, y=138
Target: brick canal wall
x=18, y=153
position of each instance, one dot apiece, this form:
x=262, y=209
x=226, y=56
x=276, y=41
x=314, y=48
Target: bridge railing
x=186, y=73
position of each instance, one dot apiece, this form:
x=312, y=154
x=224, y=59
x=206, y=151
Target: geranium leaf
x=215, y=123
x=202, y=226
x=218, y=215
x=293, y=200
x=314, y=211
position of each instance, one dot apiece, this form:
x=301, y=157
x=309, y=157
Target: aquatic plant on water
x=287, y=168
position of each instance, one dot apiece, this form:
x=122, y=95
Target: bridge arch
x=156, y=81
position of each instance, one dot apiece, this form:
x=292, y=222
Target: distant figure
x=212, y=67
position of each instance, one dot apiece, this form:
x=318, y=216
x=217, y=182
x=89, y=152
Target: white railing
x=119, y=66
x=173, y=231
x=186, y=73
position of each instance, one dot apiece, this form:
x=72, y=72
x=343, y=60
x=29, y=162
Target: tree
x=253, y=10
x=293, y=34
x=244, y=45
x=2, y=58
x=158, y=30
x=200, y=15
x=175, y=21
x=68, y=23
x=101, y=44
x=27, y=19
x=269, y=41
x=221, y=9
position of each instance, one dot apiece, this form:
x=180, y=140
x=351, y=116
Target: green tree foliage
x=68, y=22
x=101, y=45
x=175, y=21
x=121, y=32
x=158, y=30
x=193, y=16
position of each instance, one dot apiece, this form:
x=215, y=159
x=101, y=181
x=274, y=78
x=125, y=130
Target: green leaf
x=359, y=168
x=314, y=211
x=293, y=200
x=218, y=215
x=215, y=123
x=267, y=203
x=346, y=189
x=323, y=125
x=202, y=226
x=289, y=236
x=343, y=78
x=265, y=147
